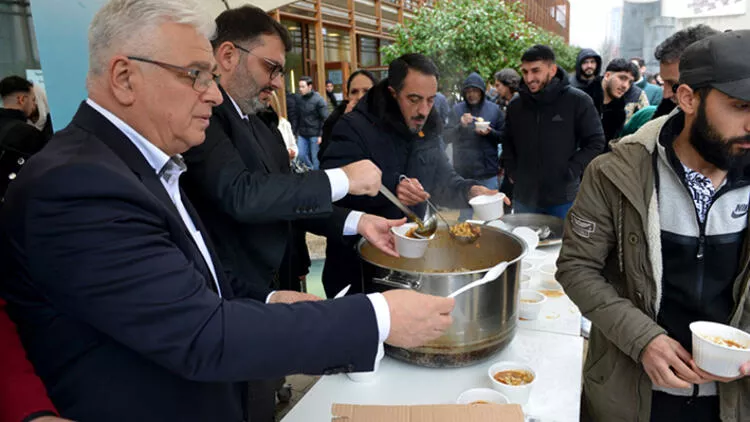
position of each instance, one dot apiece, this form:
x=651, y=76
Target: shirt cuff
x=268, y=298
x=382, y=314
x=351, y=225
x=339, y=183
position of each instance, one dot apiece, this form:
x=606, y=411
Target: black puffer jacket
x=313, y=111
x=375, y=130
x=548, y=140
x=577, y=80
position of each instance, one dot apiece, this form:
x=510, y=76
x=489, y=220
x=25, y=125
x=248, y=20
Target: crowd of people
x=153, y=251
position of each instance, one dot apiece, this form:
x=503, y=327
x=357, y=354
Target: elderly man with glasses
x=241, y=183
x=124, y=308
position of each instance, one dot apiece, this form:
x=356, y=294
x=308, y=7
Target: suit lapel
x=93, y=122
x=243, y=136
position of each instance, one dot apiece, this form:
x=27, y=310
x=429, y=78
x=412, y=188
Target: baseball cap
x=721, y=61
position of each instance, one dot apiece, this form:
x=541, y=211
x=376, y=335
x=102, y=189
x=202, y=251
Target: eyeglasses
x=275, y=68
x=202, y=79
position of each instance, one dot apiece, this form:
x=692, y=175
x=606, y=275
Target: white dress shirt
x=168, y=169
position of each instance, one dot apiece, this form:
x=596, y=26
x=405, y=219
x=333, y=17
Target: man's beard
x=589, y=73
x=249, y=92
x=713, y=147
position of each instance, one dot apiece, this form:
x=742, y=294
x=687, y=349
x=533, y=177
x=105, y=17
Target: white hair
x=124, y=26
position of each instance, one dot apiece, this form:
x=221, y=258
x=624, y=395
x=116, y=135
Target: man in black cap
x=657, y=239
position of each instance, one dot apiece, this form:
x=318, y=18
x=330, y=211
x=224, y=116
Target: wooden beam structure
x=320, y=53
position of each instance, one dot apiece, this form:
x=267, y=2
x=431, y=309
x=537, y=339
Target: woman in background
x=357, y=86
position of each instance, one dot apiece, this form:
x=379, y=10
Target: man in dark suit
x=18, y=139
x=124, y=310
x=241, y=183
x=239, y=178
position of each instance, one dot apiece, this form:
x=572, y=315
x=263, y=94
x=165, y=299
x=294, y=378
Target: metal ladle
x=425, y=229
x=431, y=220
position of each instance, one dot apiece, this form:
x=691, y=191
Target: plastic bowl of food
x=481, y=396
x=487, y=207
x=482, y=124
x=547, y=272
x=514, y=380
x=720, y=349
x=407, y=244
x=530, y=304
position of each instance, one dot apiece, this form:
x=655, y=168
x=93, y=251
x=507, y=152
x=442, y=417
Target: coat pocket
x=610, y=385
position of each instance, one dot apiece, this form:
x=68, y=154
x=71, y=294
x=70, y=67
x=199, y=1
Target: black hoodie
x=548, y=140
x=577, y=80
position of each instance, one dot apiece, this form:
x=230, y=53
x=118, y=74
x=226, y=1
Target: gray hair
x=123, y=26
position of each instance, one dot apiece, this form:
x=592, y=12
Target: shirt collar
x=236, y=107
x=155, y=157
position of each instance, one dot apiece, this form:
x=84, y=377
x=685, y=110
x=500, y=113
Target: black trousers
x=667, y=408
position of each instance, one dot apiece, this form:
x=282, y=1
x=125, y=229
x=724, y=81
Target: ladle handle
x=403, y=177
x=391, y=197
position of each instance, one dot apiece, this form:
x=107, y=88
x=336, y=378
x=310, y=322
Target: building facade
x=351, y=34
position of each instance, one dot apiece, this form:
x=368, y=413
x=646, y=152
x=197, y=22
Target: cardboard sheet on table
x=430, y=413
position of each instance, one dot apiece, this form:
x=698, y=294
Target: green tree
x=464, y=36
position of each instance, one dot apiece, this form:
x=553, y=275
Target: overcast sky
x=588, y=21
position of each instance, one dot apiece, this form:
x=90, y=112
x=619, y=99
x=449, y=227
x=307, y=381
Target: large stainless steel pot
x=484, y=320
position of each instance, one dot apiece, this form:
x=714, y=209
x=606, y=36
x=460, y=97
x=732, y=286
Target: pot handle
x=398, y=282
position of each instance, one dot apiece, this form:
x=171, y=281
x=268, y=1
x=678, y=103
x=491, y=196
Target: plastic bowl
x=547, y=272
x=487, y=207
x=518, y=394
x=367, y=377
x=483, y=125
x=525, y=282
x=718, y=359
x=530, y=310
x=483, y=395
x=409, y=247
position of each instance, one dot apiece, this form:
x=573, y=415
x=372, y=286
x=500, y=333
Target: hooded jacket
x=548, y=140
x=474, y=155
x=616, y=261
x=577, y=80
x=375, y=130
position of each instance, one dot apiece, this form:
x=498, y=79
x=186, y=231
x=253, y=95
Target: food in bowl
x=514, y=377
x=552, y=293
x=412, y=233
x=480, y=402
x=481, y=396
x=725, y=342
x=409, y=247
x=714, y=348
x=529, y=301
x=465, y=230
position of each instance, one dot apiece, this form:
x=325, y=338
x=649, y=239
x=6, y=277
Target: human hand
x=466, y=119
x=320, y=139
x=744, y=371
x=350, y=106
x=290, y=296
x=482, y=132
x=417, y=318
x=667, y=364
x=292, y=154
x=410, y=192
x=364, y=177
x=377, y=231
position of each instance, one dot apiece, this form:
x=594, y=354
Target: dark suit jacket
x=246, y=195
x=18, y=141
x=114, y=302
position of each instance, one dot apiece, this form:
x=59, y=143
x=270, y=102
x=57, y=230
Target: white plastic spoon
x=342, y=292
x=491, y=275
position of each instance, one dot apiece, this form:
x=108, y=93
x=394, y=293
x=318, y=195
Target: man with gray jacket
x=656, y=240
